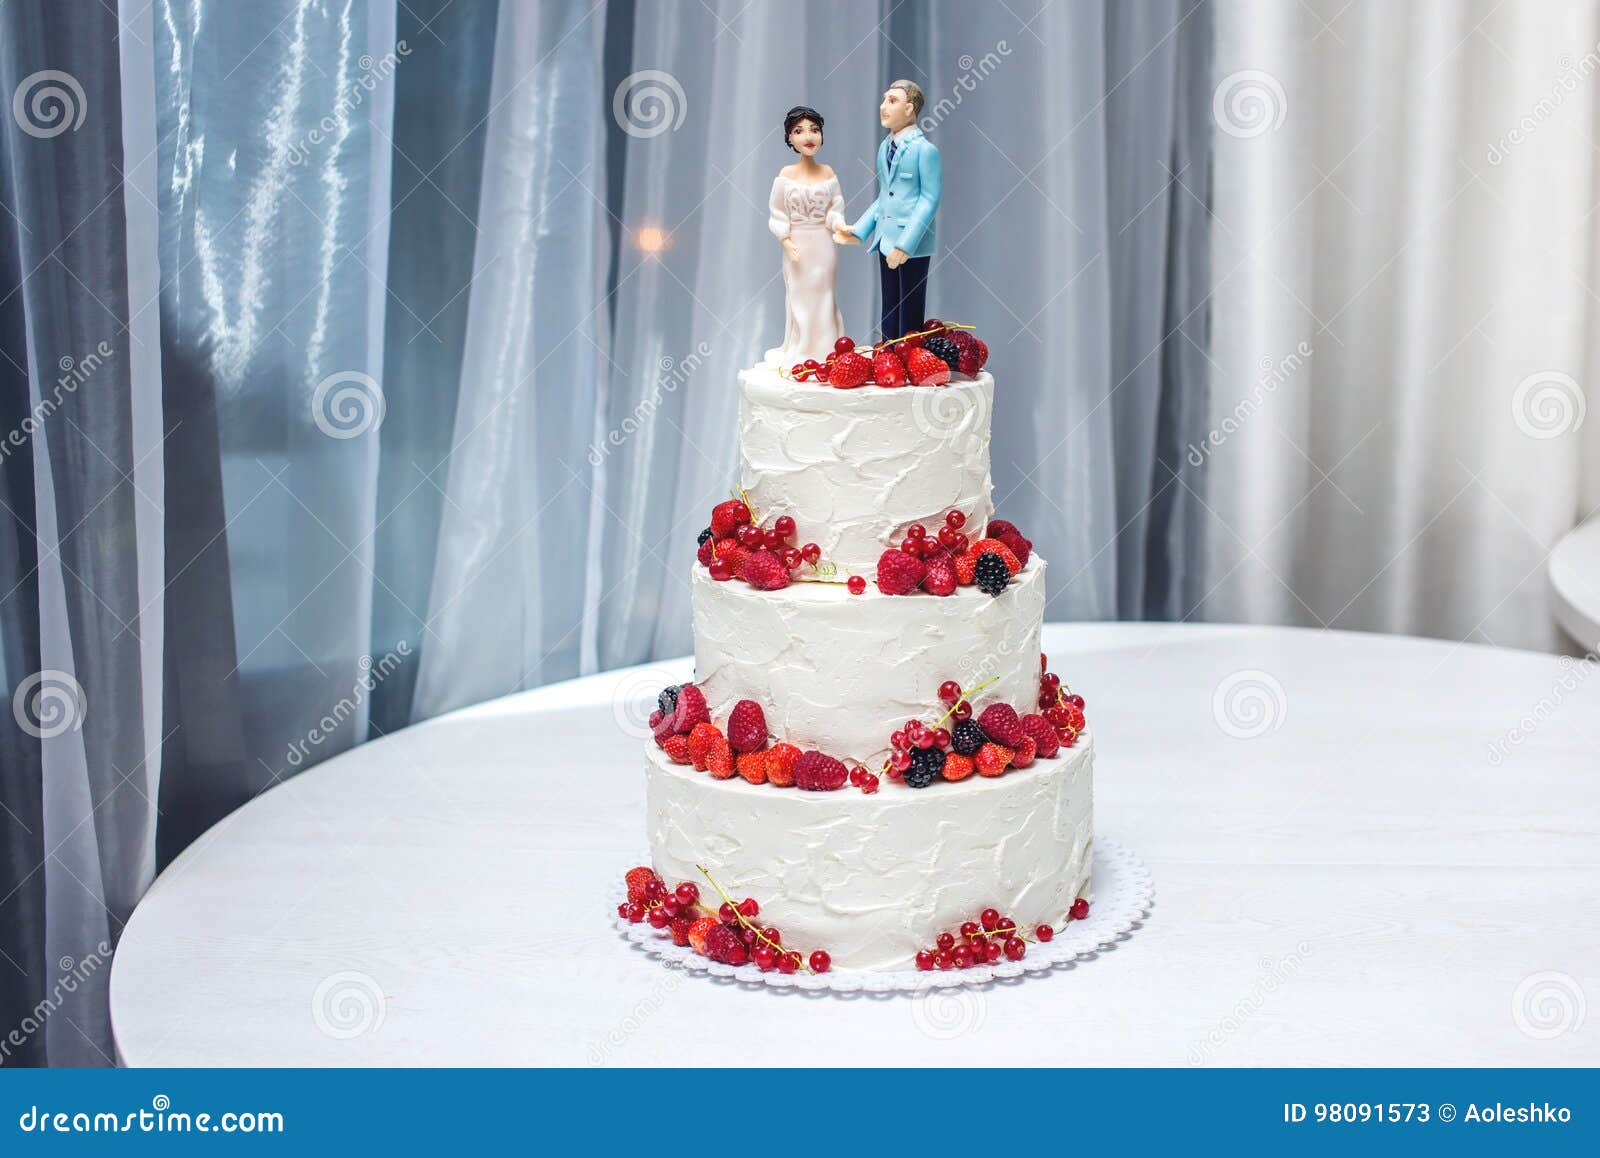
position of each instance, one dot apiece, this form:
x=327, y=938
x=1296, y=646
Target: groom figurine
x=900, y=222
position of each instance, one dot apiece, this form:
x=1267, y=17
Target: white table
x=1358, y=884
x=1574, y=572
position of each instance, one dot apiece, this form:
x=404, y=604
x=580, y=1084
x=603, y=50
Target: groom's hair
x=913, y=92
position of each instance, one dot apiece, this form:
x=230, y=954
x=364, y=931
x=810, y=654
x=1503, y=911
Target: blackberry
x=945, y=350
x=926, y=764
x=704, y=535
x=991, y=573
x=968, y=738
x=667, y=701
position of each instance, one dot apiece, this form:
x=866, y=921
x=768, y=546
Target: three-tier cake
x=871, y=744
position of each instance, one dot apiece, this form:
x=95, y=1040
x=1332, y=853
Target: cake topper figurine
x=806, y=206
x=901, y=220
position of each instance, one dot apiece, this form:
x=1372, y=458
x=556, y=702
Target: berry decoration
x=991, y=574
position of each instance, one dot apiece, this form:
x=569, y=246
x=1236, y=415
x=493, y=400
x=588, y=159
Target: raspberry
x=1021, y=547
x=719, y=760
x=724, y=944
x=747, y=727
x=983, y=351
x=752, y=766
x=926, y=764
x=1075, y=719
x=888, y=370
x=698, y=931
x=731, y=553
x=941, y=576
x=680, y=930
x=899, y=573
x=926, y=369
x=849, y=371
x=815, y=772
x=1001, y=724
x=765, y=571
x=968, y=737
x=1042, y=733
x=999, y=527
x=700, y=741
x=692, y=710
x=781, y=762
x=655, y=719
x=991, y=573
x=1025, y=753
x=677, y=749
x=706, y=552
x=638, y=880
x=995, y=546
x=957, y=766
x=726, y=517
x=992, y=760
x=944, y=349
x=966, y=567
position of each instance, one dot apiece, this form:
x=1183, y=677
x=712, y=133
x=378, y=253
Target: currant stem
x=749, y=924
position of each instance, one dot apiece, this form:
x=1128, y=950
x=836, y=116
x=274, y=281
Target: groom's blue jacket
x=908, y=197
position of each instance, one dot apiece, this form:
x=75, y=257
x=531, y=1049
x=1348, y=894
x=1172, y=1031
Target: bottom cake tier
x=873, y=878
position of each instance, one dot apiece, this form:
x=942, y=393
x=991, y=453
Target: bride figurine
x=807, y=208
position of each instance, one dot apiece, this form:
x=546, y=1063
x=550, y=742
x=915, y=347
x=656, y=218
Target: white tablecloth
x=1402, y=867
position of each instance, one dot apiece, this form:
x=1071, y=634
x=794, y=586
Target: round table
x=1367, y=850
x=1574, y=572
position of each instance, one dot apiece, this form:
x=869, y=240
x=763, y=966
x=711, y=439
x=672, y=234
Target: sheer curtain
x=1404, y=254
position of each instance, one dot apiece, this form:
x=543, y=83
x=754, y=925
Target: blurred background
x=363, y=359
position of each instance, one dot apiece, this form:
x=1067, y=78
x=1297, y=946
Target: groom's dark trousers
x=905, y=292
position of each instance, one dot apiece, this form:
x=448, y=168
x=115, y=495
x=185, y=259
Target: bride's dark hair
x=794, y=116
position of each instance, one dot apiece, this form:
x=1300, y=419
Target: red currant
x=855, y=777
x=869, y=784
x=820, y=961
x=1044, y=932
x=771, y=540
x=726, y=915
x=908, y=546
x=813, y=364
x=1005, y=925
x=959, y=543
x=949, y=691
x=925, y=960
x=748, y=936
x=943, y=959
x=748, y=907
x=655, y=890
x=899, y=740
x=765, y=958
x=798, y=369
x=635, y=912
x=844, y=345
x=916, y=531
x=900, y=761
x=945, y=941
x=991, y=951
x=1076, y=701
x=963, y=711
x=941, y=737
x=970, y=930
x=1059, y=717
x=748, y=536
x=772, y=935
x=622, y=910
x=784, y=525
x=924, y=739
x=791, y=558
x=688, y=893
x=658, y=918
x=721, y=572
x=963, y=956
x=990, y=918
x=1080, y=909
x=856, y=584
x=671, y=907
x=811, y=553
x=788, y=962
x=1015, y=949
x=955, y=520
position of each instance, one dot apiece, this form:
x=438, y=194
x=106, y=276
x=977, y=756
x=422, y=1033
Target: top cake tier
x=855, y=468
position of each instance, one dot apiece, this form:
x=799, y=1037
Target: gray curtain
x=315, y=327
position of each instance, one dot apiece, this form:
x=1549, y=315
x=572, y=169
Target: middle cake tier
x=841, y=672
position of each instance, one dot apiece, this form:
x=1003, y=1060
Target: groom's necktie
x=893, y=149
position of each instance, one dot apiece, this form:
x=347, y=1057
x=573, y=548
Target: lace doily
x=1124, y=891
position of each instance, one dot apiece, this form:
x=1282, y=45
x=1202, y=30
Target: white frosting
x=855, y=468
x=840, y=672
x=872, y=879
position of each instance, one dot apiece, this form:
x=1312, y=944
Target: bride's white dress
x=808, y=213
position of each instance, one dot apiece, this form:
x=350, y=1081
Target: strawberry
x=697, y=933
x=1042, y=733
x=781, y=762
x=700, y=741
x=849, y=371
x=638, y=879
x=941, y=576
x=956, y=766
x=680, y=927
x=730, y=552
x=727, y=517
x=899, y=573
x=691, y=710
x=765, y=571
x=992, y=760
x=888, y=370
x=752, y=766
x=719, y=760
x=1025, y=753
x=995, y=546
x=677, y=749
x=1001, y=724
x=747, y=727
x=816, y=772
x=966, y=568
x=926, y=369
